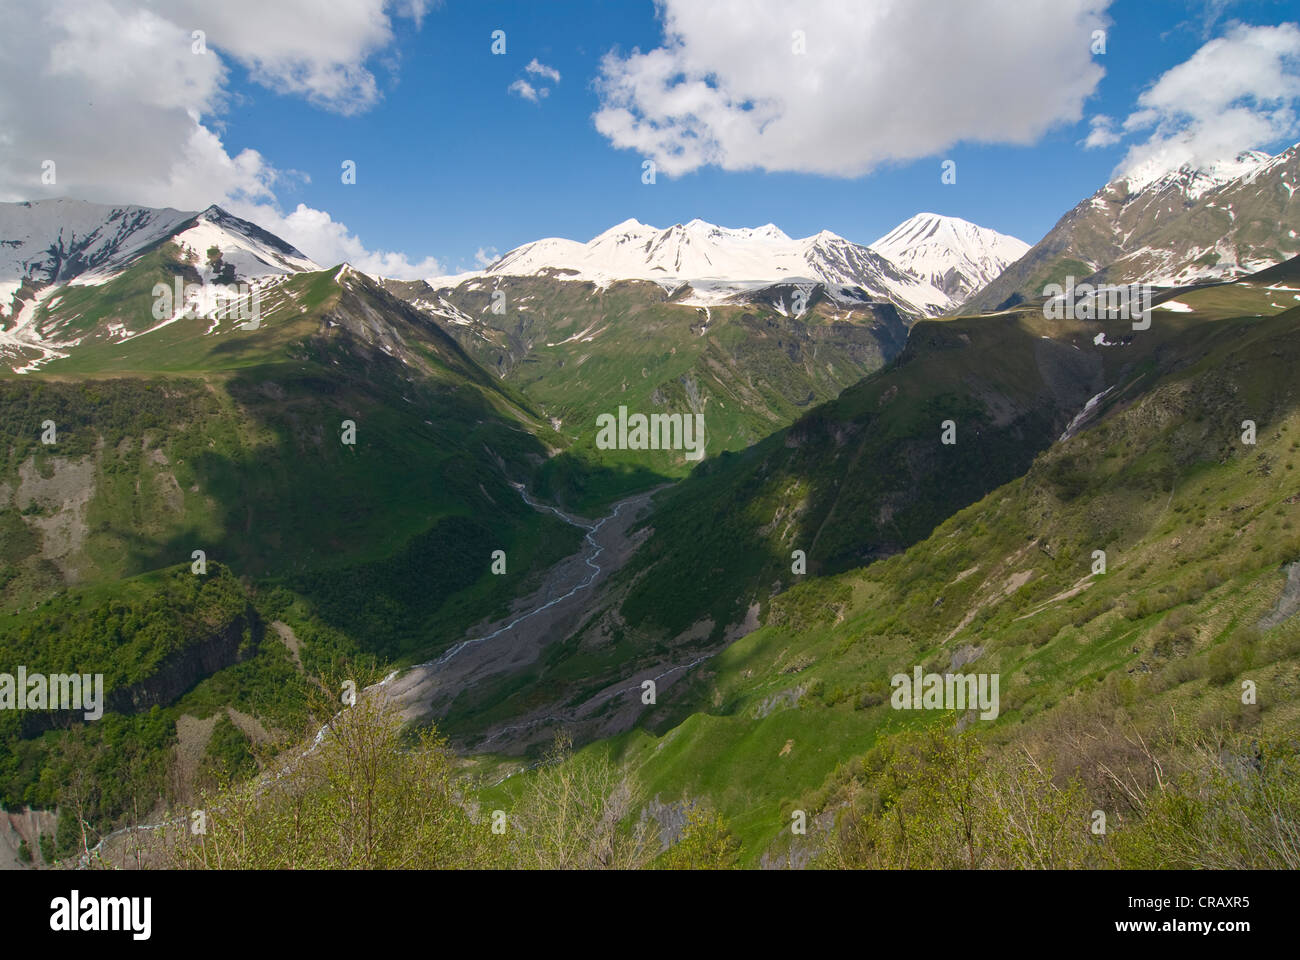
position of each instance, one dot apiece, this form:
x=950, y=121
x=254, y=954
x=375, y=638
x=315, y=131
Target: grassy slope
x=577, y=352
x=235, y=450
x=182, y=440
x=1195, y=524
x=866, y=474
x=859, y=478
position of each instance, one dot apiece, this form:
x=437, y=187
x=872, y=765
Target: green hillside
x=1198, y=529
x=334, y=561
x=858, y=479
x=205, y=437
x=577, y=351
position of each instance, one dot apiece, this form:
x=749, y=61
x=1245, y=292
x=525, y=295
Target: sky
x=466, y=142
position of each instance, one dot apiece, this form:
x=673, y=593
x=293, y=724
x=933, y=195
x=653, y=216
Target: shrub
x=1232, y=656
x=707, y=843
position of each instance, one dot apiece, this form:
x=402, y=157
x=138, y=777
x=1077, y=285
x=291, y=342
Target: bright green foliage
x=358, y=801
x=229, y=754
x=706, y=843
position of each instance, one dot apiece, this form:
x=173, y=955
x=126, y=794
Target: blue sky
x=450, y=162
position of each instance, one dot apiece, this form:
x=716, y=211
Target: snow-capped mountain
x=253, y=252
x=1167, y=227
x=53, y=251
x=720, y=264
x=949, y=253
x=1154, y=175
x=636, y=251
x=1237, y=226
x=52, y=242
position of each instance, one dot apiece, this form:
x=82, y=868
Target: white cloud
x=535, y=92
x=291, y=46
x=527, y=90
x=329, y=242
x=485, y=257
x=114, y=93
x=1102, y=132
x=881, y=82
x=1236, y=92
x=542, y=70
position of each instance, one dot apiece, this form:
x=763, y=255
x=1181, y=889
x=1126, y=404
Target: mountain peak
x=1168, y=224
x=955, y=255
x=826, y=236
x=1193, y=179
x=251, y=250
x=631, y=223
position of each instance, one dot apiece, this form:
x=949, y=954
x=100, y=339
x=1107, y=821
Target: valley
x=428, y=491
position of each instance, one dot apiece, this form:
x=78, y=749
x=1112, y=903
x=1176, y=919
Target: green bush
x=1233, y=656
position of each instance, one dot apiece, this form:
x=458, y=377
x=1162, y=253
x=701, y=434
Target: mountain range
x=395, y=483
x=925, y=266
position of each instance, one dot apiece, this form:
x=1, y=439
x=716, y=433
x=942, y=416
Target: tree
x=707, y=843
x=935, y=800
x=353, y=799
x=572, y=815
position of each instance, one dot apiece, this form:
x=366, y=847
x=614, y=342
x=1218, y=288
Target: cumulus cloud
x=1236, y=92
x=117, y=96
x=823, y=86
x=485, y=257
x=535, y=92
x=290, y=47
x=1102, y=132
x=527, y=90
x=328, y=242
x=542, y=70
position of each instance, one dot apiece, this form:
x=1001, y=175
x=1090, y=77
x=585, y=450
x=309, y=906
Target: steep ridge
x=340, y=465
x=867, y=475
x=1237, y=227
x=1166, y=228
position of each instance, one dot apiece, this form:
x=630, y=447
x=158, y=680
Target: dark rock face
x=225, y=646
x=185, y=668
